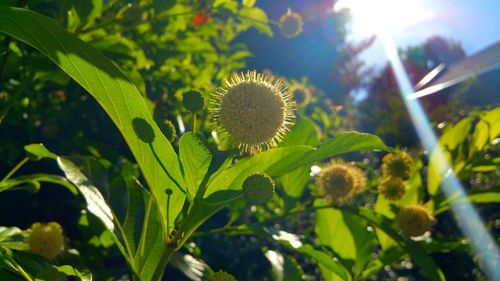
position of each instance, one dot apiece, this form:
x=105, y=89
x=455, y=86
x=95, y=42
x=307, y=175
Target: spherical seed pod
x=258, y=188
x=290, y=24
x=46, y=239
x=301, y=95
x=254, y=110
x=414, y=220
x=397, y=165
x=338, y=183
x=392, y=189
x=168, y=130
x=221, y=276
x=193, y=101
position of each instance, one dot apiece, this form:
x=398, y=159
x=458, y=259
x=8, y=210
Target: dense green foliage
x=94, y=95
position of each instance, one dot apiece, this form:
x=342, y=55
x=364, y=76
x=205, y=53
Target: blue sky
x=475, y=23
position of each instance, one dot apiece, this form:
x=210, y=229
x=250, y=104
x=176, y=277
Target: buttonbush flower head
x=392, y=188
x=221, y=276
x=414, y=220
x=397, y=165
x=338, y=183
x=258, y=188
x=46, y=239
x=254, y=110
x=290, y=24
x=301, y=95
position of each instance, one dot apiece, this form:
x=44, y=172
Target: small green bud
x=258, y=188
x=193, y=101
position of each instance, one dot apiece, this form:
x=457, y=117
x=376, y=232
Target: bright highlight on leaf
x=255, y=110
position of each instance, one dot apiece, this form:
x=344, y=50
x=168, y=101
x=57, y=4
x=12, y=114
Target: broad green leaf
x=279, y=161
x=304, y=132
x=456, y=134
x=112, y=90
x=414, y=249
x=257, y=18
x=195, y=159
x=347, y=236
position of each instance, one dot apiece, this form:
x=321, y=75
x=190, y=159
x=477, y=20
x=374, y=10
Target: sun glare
x=392, y=15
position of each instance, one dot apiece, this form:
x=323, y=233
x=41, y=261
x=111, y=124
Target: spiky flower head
x=397, y=165
x=221, y=276
x=258, y=188
x=338, y=183
x=290, y=24
x=392, y=188
x=301, y=95
x=46, y=239
x=255, y=110
x=414, y=220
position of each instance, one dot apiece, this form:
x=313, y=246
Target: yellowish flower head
x=301, y=95
x=46, y=239
x=258, y=188
x=221, y=276
x=338, y=183
x=392, y=188
x=414, y=220
x=397, y=165
x=254, y=110
x=290, y=24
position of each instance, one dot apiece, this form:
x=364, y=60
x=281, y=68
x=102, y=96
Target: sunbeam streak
x=467, y=217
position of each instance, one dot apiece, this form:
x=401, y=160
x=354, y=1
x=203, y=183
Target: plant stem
x=16, y=265
x=144, y=232
x=17, y=167
x=194, y=122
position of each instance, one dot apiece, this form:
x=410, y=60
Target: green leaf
x=112, y=90
x=279, y=161
x=38, y=151
x=481, y=197
x=195, y=159
x=163, y=5
x=293, y=183
x=13, y=238
x=347, y=236
x=257, y=18
x=325, y=261
x=249, y=3
x=34, y=180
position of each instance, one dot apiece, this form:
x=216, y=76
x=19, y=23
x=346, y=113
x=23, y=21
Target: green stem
x=16, y=265
x=194, y=122
x=144, y=231
x=17, y=167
